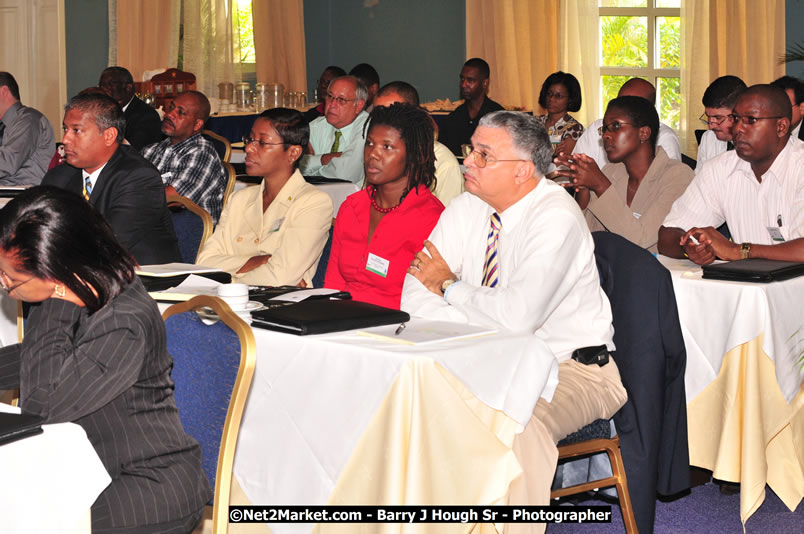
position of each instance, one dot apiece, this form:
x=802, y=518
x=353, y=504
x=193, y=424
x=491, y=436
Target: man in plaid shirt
x=188, y=162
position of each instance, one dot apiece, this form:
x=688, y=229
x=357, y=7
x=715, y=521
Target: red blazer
x=398, y=237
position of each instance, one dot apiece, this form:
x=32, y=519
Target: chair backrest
x=231, y=180
x=222, y=145
x=212, y=369
x=321, y=270
x=193, y=226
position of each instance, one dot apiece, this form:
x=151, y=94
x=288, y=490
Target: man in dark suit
x=122, y=185
x=143, y=125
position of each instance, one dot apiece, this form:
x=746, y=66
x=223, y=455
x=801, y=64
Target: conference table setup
x=355, y=418
x=743, y=381
x=371, y=417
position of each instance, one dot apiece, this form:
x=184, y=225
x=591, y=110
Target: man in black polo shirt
x=459, y=125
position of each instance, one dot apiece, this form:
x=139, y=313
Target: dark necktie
x=2, y=129
x=729, y=146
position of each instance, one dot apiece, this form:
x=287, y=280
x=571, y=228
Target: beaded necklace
x=372, y=192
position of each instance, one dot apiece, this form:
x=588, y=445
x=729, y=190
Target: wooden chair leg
x=618, y=468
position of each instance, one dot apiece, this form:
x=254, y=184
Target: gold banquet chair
x=212, y=369
x=192, y=224
x=222, y=145
x=592, y=439
x=231, y=180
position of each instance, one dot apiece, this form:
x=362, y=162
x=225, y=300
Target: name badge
x=377, y=265
x=277, y=224
x=166, y=176
x=776, y=234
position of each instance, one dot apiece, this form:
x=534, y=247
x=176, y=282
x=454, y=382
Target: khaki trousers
x=584, y=393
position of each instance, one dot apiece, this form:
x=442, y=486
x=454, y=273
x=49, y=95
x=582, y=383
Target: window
x=642, y=38
x=244, y=27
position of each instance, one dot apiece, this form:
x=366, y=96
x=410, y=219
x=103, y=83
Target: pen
x=399, y=329
x=779, y=220
x=694, y=240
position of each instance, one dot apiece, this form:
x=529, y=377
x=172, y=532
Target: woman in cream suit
x=272, y=234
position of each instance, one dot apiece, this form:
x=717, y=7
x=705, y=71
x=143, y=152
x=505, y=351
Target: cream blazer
x=293, y=230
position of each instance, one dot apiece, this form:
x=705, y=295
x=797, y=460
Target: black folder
x=14, y=426
x=323, y=316
x=161, y=283
x=754, y=270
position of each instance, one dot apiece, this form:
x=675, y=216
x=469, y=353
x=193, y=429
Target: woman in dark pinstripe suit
x=94, y=354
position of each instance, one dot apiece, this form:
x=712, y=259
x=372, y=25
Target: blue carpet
x=704, y=511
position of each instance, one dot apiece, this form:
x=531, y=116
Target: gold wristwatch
x=446, y=283
x=745, y=250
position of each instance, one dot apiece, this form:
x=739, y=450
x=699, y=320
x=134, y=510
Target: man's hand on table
x=430, y=269
x=712, y=245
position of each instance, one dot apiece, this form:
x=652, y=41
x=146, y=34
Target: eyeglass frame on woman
x=11, y=288
x=611, y=128
x=482, y=159
x=250, y=140
x=717, y=120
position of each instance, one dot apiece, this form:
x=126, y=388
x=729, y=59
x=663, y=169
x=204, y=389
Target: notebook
x=14, y=426
x=322, y=316
x=753, y=270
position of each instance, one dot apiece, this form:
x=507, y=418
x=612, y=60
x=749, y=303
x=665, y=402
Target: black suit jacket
x=129, y=193
x=109, y=372
x=143, y=126
x=651, y=357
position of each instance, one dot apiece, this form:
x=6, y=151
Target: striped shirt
x=726, y=190
x=193, y=168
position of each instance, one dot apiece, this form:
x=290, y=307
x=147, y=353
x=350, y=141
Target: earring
x=59, y=291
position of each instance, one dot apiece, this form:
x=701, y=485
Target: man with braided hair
x=379, y=229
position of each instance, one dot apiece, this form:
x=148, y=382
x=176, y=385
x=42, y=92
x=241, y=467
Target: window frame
x=651, y=72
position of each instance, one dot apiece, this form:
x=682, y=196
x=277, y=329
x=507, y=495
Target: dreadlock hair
x=415, y=128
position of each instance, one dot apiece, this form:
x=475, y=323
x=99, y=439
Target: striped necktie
x=491, y=271
x=87, y=188
x=337, y=143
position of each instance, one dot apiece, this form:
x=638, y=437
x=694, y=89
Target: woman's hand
x=583, y=172
x=253, y=263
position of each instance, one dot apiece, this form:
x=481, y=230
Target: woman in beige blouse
x=272, y=234
x=631, y=195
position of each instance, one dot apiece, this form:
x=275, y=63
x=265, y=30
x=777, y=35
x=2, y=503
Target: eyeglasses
x=339, y=99
x=481, y=158
x=250, y=140
x=717, y=120
x=4, y=279
x=749, y=120
x=612, y=127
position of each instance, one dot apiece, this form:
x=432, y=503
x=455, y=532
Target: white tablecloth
x=717, y=316
x=313, y=396
x=49, y=481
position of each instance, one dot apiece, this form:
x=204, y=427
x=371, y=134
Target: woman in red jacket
x=378, y=230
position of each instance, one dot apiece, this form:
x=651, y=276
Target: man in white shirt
x=758, y=189
x=516, y=255
x=795, y=92
x=337, y=138
x=718, y=100
x=449, y=178
x=591, y=142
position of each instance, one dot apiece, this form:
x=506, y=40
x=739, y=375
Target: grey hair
x=361, y=92
x=529, y=136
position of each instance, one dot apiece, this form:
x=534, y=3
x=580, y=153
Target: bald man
x=757, y=188
x=187, y=161
x=591, y=142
